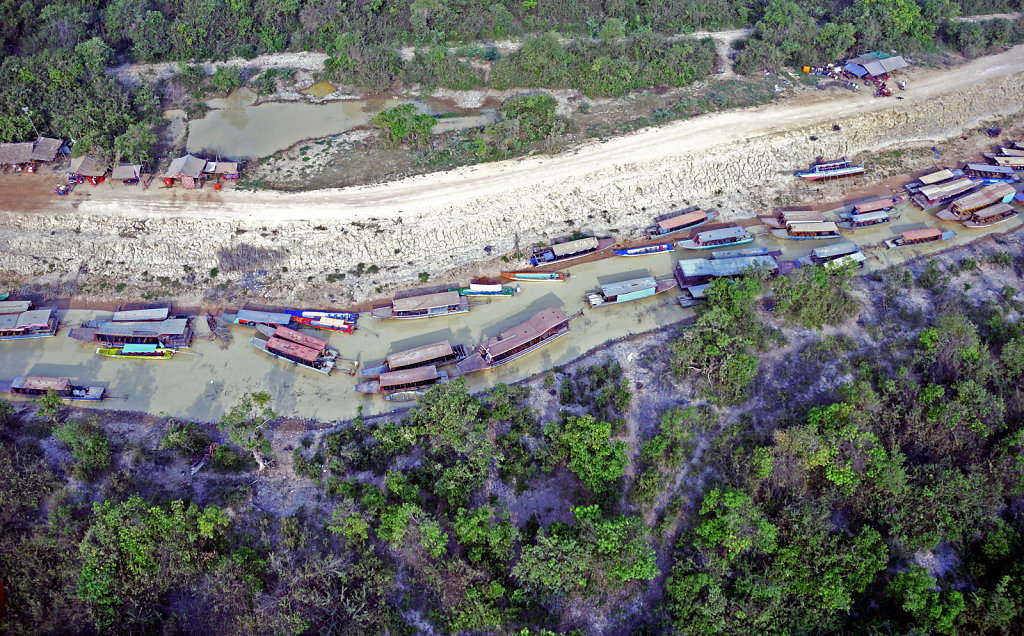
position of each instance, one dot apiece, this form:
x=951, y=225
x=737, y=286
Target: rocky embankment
x=165, y=236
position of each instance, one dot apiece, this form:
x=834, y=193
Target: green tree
x=246, y=425
x=402, y=124
x=90, y=448
x=732, y=524
x=593, y=455
x=50, y=407
x=935, y=610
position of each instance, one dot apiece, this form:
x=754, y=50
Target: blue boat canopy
x=139, y=348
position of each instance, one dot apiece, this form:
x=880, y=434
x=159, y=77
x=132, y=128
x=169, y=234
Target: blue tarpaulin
x=856, y=69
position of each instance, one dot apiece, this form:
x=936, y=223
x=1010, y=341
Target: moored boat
x=722, y=237
x=868, y=219
x=251, y=318
x=808, y=231
x=405, y=384
x=31, y=323
x=677, y=222
x=910, y=238
x=569, y=250
x=831, y=170
x=536, y=277
x=423, y=306
x=782, y=219
x=886, y=204
x=137, y=352
x=834, y=255
x=963, y=207
x=436, y=354
x=326, y=323
x=537, y=331
x=36, y=386
x=644, y=250
x=629, y=290
x=298, y=348
x=992, y=215
x=485, y=289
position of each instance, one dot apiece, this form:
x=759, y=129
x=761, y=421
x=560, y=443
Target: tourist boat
x=678, y=222
x=37, y=386
x=436, y=354
x=868, y=219
x=744, y=251
x=298, y=348
x=137, y=352
x=542, y=328
x=910, y=238
x=782, y=220
x=834, y=255
x=831, y=170
x=722, y=237
x=536, y=277
x=888, y=204
x=29, y=323
x=629, y=290
x=252, y=318
x=336, y=321
x=424, y=306
x=963, y=207
x=569, y=250
x=404, y=385
x=485, y=289
x=808, y=231
x=991, y=174
x=992, y=215
x=644, y=250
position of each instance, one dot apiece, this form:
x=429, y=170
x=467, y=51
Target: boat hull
x=783, y=234
x=661, y=286
x=262, y=346
x=688, y=245
x=536, y=277
x=835, y=174
x=847, y=225
x=484, y=365
x=980, y=226
x=894, y=244
x=646, y=250
x=160, y=354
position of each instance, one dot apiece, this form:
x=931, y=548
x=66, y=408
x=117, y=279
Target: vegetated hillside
x=847, y=461
x=56, y=53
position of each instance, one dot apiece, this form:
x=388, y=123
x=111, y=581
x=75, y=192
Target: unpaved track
x=438, y=192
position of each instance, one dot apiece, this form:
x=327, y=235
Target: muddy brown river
x=202, y=382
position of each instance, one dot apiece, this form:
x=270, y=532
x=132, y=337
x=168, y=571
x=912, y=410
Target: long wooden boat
x=536, y=277
x=782, y=219
x=992, y=215
x=629, y=290
x=326, y=323
x=722, y=237
x=436, y=354
x=868, y=219
x=963, y=207
x=809, y=231
x=644, y=250
x=137, y=352
x=676, y=222
x=541, y=329
x=484, y=289
x=297, y=348
x=887, y=204
x=36, y=386
x=406, y=384
x=831, y=170
x=567, y=251
x=251, y=318
x=424, y=306
x=911, y=238
x=932, y=196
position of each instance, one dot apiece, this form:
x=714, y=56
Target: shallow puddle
x=320, y=89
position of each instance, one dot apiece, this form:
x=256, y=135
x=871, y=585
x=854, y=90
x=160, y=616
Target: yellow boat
x=137, y=352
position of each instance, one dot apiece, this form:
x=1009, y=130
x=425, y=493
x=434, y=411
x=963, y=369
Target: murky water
x=320, y=89
x=486, y=116
x=241, y=130
x=203, y=382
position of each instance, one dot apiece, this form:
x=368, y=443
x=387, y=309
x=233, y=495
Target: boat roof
x=831, y=163
x=485, y=287
x=871, y=206
x=139, y=348
x=694, y=267
x=14, y=306
x=572, y=247
x=628, y=286
x=405, y=376
x=1010, y=161
x=126, y=171
x=40, y=383
x=740, y=251
x=293, y=349
x=988, y=194
x=1011, y=152
x=984, y=167
x=268, y=317
x=993, y=210
x=925, y=232
x=171, y=327
x=870, y=216
x=951, y=187
x=308, y=341
x=937, y=176
x=836, y=249
x=420, y=354
x=801, y=215
x=525, y=331
x=823, y=226
x=34, y=318
x=160, y=313
x=426, y=301
x=682, y=219
x=721, y=233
